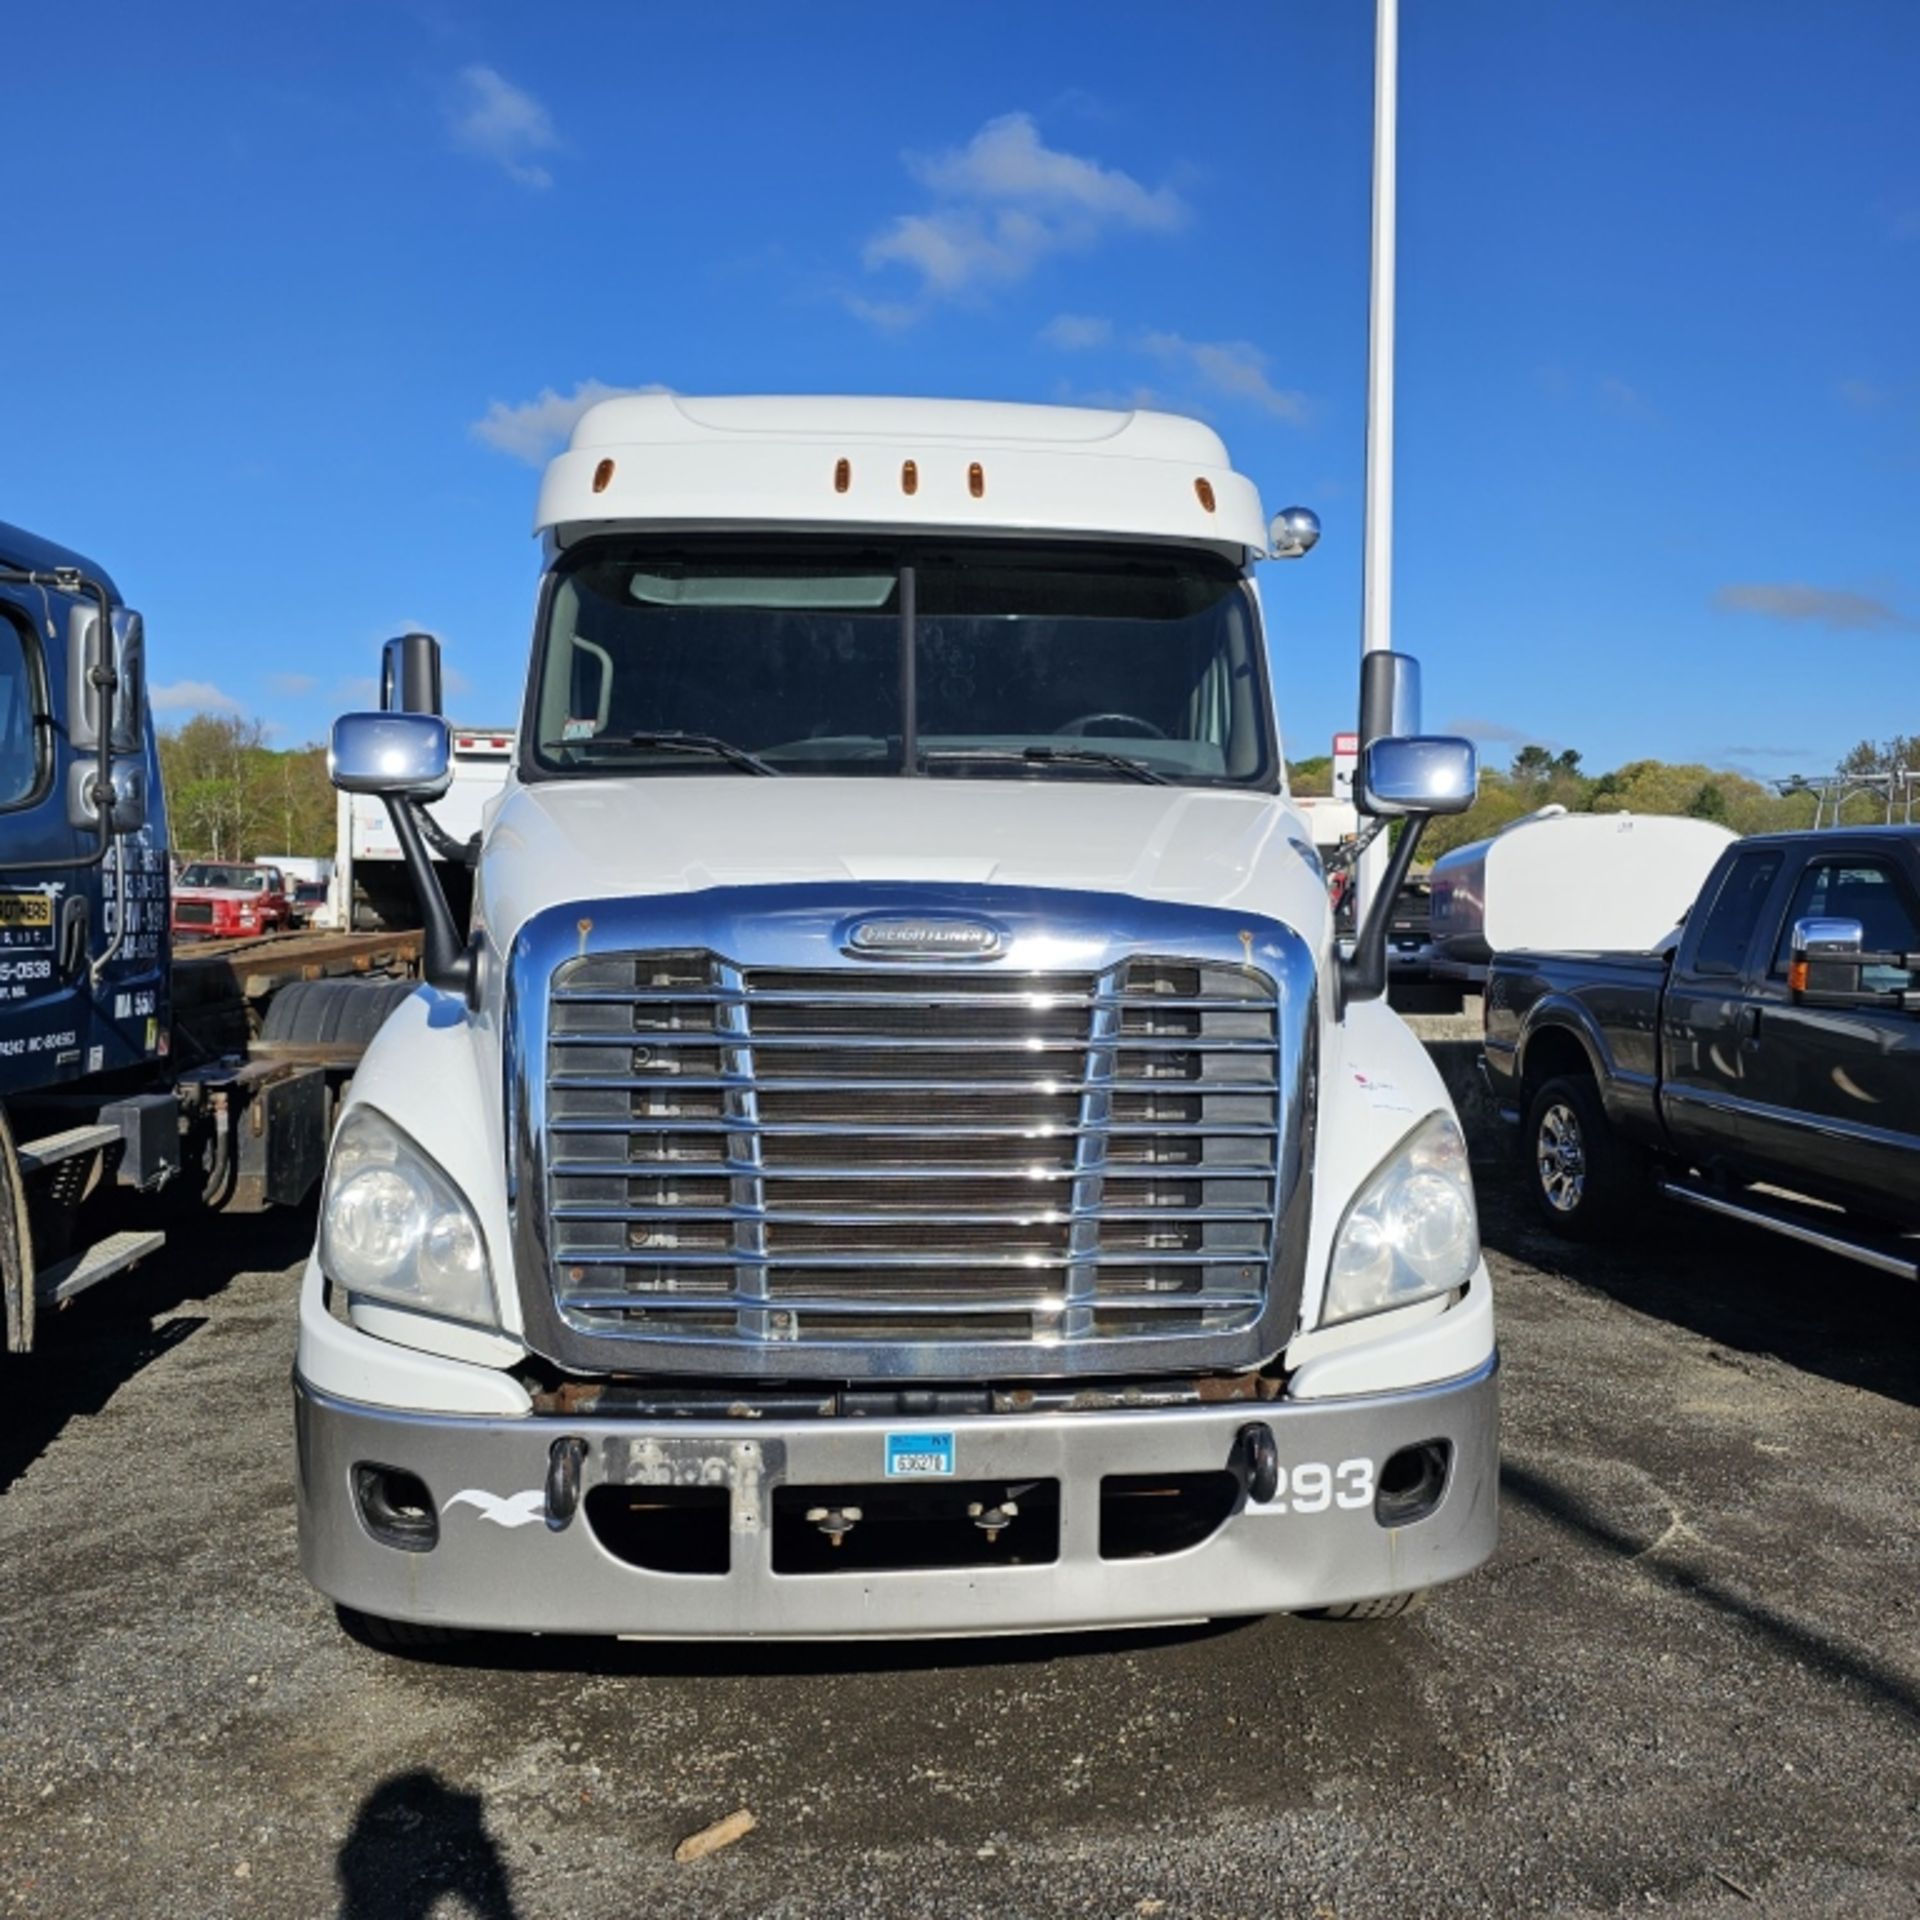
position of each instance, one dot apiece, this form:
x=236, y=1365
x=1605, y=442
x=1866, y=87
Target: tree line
x=230, y=796
x=1538, y=777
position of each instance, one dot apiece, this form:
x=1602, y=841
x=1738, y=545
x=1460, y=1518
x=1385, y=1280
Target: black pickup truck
x=1767, y=1068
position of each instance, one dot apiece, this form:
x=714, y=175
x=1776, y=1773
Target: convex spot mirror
x=1418, y=773
x=402, y=754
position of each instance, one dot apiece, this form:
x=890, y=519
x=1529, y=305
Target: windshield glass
x=844, y=658
x=238, y=879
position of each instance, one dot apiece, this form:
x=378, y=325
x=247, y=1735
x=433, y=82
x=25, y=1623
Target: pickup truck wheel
x=1582, y=1175
x=396, y=1636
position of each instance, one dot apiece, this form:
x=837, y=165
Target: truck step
x=37, y=1155
x=1897, y=1257
x=118, y=1251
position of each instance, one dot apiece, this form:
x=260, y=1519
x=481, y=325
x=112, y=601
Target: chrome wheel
x=1562, y=1158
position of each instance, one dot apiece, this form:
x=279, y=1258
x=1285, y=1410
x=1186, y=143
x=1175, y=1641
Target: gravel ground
x=1689, y=1682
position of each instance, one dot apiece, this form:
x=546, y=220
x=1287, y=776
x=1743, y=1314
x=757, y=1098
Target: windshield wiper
x=1049, y=757
x=705, y=743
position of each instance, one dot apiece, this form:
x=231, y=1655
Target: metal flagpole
x=1376, y=603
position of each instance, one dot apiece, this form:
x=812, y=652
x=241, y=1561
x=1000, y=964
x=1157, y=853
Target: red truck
x=229, y=900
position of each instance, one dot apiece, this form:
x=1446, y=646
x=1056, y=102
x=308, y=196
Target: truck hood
x=232, y=895
x=564, y=841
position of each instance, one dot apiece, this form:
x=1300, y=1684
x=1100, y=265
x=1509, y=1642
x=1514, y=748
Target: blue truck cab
x=83, y=915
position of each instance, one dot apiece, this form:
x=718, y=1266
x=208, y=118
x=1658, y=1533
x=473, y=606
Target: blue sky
x=299, y=288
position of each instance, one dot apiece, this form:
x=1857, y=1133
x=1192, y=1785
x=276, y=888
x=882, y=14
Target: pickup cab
x=230, y=900
x=1766, y=1067
x=899, y=1149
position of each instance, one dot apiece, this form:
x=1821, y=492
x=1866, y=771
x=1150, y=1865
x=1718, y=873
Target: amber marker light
x=1797, y=976
x=603, y=476
x=909, y=477
x=977, y=480
x=1203, y=490
x=842, y=475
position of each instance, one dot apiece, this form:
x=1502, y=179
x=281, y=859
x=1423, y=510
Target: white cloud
x=1007, y=162
x=494, y=120
x=1002, y=204
x=1621, y=397
x=532, y=430
x=1076, y=332
x=1824, y=606
x=292, y=684
x=193, y=696
x=1234, y=368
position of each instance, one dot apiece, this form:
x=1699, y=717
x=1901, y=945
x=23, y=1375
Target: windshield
x=237, y=879
x=845, y=658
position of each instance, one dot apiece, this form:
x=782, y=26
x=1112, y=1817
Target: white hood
x=564, y=841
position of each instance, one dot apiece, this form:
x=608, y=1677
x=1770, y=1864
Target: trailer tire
x=396, y=1636
x=1388, y=1607
x=1586, y=1181
x=327, y=1013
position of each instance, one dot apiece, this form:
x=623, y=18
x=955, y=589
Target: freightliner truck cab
x=899, y=1149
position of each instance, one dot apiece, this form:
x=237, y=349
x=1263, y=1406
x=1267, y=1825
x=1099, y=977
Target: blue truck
x=128, y=1072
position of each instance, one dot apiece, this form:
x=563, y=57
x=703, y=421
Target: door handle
x=1747, y=1025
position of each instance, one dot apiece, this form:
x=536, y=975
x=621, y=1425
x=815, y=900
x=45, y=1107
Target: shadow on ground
x=1747, y=1291
x=415, y=1842
x=87, y=1352
x=798, y=1659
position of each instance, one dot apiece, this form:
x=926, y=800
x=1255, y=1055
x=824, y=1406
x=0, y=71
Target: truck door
x=1834, y=1092
x=1709, y=1009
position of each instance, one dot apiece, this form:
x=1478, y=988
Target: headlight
x=1412, y=1232
x=394, y=1227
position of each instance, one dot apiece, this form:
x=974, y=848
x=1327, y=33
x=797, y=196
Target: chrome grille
x=910, y=1152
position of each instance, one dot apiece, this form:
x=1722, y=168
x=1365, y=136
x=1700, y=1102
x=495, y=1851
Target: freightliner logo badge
x=935, y=939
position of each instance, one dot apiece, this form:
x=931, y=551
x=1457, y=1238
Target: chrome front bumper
x=500, y=1564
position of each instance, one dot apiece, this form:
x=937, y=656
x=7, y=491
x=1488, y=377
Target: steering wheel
x=1087, y=723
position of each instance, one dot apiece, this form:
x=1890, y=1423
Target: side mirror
x=410, y=674
x=401, y=755
x=1826, y=958
x=1420, y=773
x=404, y=757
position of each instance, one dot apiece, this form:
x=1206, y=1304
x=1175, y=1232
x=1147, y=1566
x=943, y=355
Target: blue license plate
x=919, y=1456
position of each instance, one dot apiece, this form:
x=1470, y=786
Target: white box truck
x=900, y=1152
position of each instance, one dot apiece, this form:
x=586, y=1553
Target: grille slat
x=960, y=1153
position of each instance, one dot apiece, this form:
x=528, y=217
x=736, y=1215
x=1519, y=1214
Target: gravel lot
x=1689, y=1682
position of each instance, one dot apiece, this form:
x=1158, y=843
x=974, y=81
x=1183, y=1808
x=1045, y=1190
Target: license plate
x=919, y=1456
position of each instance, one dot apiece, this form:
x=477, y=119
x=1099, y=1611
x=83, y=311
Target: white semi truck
x=900, y=1151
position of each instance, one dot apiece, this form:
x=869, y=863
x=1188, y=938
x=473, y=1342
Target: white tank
x=1559, y=882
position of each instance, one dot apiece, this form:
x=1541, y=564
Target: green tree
x=232, y=797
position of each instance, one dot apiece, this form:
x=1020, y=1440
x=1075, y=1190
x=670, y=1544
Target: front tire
x=1585, y=1180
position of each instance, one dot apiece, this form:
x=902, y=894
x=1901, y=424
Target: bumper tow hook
x=564, y=1461
x=993, y=1521
x=1255, y=1461
x=835, y=1522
